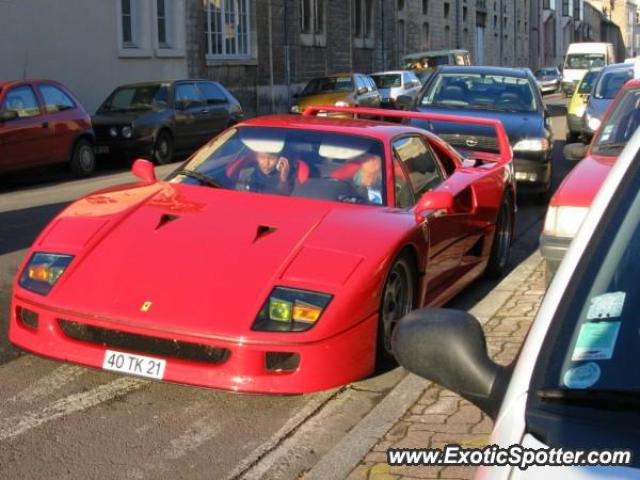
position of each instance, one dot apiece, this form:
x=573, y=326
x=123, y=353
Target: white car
x=394, y=84
x=576, y=383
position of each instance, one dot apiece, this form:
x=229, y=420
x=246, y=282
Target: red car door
x=23, y=139
x=446, y=233
x=63, y=116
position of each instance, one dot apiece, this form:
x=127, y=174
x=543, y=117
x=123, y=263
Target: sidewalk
x=439, y=416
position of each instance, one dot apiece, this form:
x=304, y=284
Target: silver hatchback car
x=395, y=83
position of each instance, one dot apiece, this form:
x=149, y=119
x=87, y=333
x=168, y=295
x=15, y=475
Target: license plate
x=101, y=149
x=134, y=364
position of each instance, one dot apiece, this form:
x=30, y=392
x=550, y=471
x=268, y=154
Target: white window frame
x=134, y=18
x=168, y=24
x=317, y=35
x=237, y=13
x=174, y=29
x=366, y=38
x=140, y=46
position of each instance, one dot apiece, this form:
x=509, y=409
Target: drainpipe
x=501, y=32
x=273, y=101
x=382, y=50
x=458, y=23
x=287, y=52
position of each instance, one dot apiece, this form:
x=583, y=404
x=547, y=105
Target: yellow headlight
x=303, y=312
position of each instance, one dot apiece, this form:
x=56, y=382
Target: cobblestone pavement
x=440, y=417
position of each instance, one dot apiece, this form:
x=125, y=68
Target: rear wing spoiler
x=505, y=154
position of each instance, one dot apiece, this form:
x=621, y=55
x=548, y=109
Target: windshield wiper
x=606, y=399
x=203, y=179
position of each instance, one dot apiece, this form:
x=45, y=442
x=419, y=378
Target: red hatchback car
x=41, y=123
x=569, y=205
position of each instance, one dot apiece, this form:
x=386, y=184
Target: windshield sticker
x=583, y=376
x=596, y=341
x=608, y=305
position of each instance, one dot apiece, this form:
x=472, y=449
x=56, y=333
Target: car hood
x=597, y=107
x=205, y=258
x=580, y=186
x=518, y=125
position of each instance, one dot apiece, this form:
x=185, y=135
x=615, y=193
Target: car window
x=610, y=83
x=55, y=100
x=420, y=163
x=480, y=92
x=620, y=126
x=403, y=189
x=587, y=82
x=293, y=162
x=212, y=93
x=387, y=80
x=187, y=94
x=22, y=100
x=137, y=97
x=360, y=82
x=371, y=83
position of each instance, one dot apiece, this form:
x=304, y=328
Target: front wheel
x=163, y=149
x=83, y=158
x=501, y=248
x=398, y=297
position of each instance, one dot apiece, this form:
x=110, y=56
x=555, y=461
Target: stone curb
x=347, y=454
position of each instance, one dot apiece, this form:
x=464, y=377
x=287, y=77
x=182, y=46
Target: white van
x=581, y=57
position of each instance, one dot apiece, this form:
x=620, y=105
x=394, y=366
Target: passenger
x=368, y=179
x=269, y=173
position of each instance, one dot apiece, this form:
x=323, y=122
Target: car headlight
x=532, y=145
x=113, y=131
x=127, y=131
x=564, y=221
x=295, y=109
x=291, y=310
x=43, y=271
x=593, y=123
x=580, y=110
x=341, y=103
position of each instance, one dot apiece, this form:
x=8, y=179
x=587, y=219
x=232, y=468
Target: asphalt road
x=65, y=421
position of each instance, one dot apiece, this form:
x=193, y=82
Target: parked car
x=607, y=86
x=549, y=79
x=252, y=267
x=395, y=83
x=570, y=203
x=578, y=104
x=158, y=119
x=42, y=122
x=506, y=94
x=347, y=90
x=434, y=58
x=573, y=385
x=580, y=58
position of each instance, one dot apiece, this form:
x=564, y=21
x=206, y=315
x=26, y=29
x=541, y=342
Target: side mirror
x=404, y=102
x=575, y=151
x=144, y=170
x=8, y=115
x=362, y=91
x=436, y=200
x=448, y=347
x=556, y=109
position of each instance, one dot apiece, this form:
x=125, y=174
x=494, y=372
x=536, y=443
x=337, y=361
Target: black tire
x=501, y=247
x=83, y=158
x=163, y=148
x=398, y=299
x=572, y=137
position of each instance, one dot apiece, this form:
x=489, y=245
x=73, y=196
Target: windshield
x=587, y=82
x=426, y=61
x=295, y=163
x=610, y=83
x=547, y=72
x=328, y=85
x=387, y=81
x=144, y=97
x=480, y=92
x=620, y=126
x=584, y=61
x=594, y=338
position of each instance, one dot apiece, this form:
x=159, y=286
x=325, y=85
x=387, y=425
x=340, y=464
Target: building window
x=401, y=43
x=227, y=28
x=312, y=22
x=446, y=9
x=426, y=36
x=363, y=14
x=163, y=12
x=400, y=5
x=129, y=15
x=565, y=8
x=447, y=36
x=425, y=7
x=464, y=14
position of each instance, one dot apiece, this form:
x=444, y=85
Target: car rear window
x=328, y=85
x=391, y=80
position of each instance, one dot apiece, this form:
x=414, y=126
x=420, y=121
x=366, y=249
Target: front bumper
x=549, y=87
x=132, y=147
x=324, y=364
x=553, y=250
x=533, y=173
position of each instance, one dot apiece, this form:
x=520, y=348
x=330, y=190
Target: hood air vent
x=263, y=231
x=166, y=218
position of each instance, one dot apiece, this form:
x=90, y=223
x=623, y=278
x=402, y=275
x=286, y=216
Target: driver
x=368, y=179
x=269, y=173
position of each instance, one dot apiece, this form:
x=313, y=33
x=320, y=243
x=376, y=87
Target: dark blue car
x=510, y=95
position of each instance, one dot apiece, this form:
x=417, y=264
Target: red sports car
x=277, y=259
